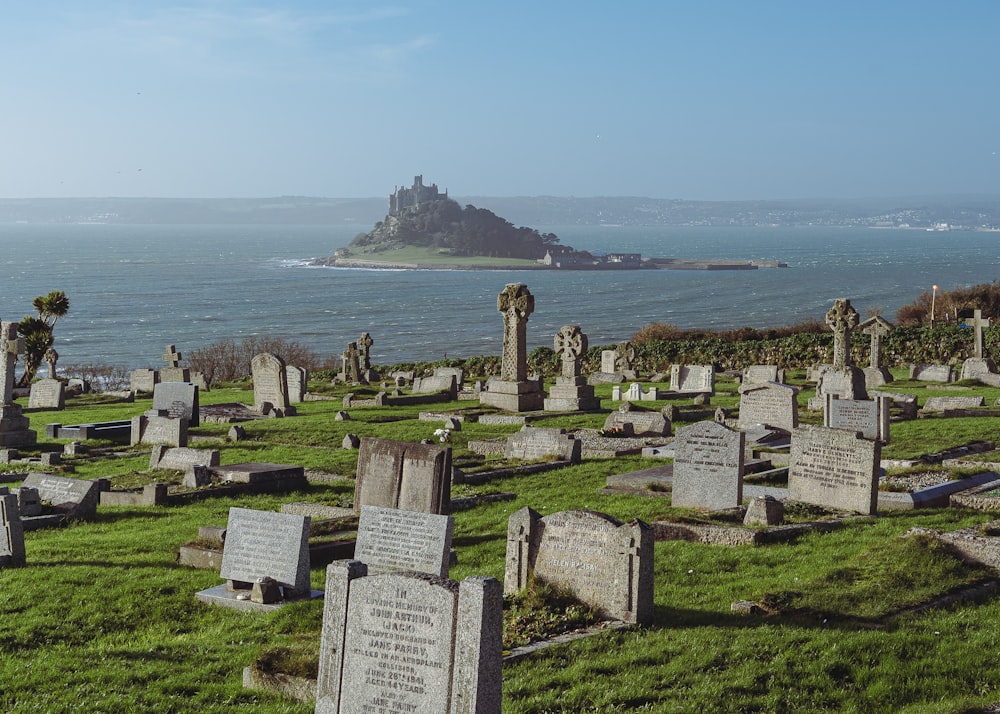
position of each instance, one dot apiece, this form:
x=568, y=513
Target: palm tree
x=37, y=331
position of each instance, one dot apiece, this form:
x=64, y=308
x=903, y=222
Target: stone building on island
x=415, y=195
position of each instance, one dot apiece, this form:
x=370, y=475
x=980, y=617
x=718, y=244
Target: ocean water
x=135, y=289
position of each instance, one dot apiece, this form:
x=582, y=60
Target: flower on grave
x=444, y=435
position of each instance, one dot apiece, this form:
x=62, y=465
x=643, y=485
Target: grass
x=103, y=619
x=434, y=257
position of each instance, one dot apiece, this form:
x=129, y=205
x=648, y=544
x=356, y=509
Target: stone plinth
x=570, y=394
x=526, y=396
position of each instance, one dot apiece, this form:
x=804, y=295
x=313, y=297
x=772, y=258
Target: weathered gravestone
x=599, y=560
x=173, y=372
x=183, y=458
x=693, y=379
x=409, y=642
x=391, y=540
x=513, y=391
x=47, y=394
x=941, y=404
x=772, y=404
x=533, y=443
x=868, y=416
x=143, y=380
x=571, y=391
x=943, y=373
x=178, y=399
x=365, y=343
x=635, y=423
x=876, y=328
x=979, y=366
x=14, y=425
x=262, y=545
x=834, y=468
x=155, y=427
x=11, y=533
x=270, y=385
x=436, y=383
x=761, y=373
x=635, y=393
x=400, y=474
x=73, y=497
x=842, y=378
x=708, y=467
x=297, y=379
x=351, y=360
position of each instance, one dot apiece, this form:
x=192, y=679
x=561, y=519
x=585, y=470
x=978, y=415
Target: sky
x=697, y=100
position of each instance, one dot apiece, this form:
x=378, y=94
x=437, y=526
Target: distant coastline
x=646, y=264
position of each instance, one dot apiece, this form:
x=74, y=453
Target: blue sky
x=711, y=100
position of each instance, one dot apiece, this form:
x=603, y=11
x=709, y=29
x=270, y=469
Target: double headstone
x=401, y=474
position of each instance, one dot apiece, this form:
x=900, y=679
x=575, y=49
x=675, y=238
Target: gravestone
x=571, y=392
x=436, y=383
x=513, y=391
x=932, y=373
x=400, y=474
x=270, y=385
x=761, y=373
x=636, y=423
x=351, y=359
x=178, y=399
x=14, y=425
x=409, y=642
x=51, y=359
x=534, y=443
x=635, y=393
x=158, y=428
x=940, y=404
x=843, y=378
x=297, y=379
x=262, y=545
x=365, y=343
x=877, y=328
x=143, y=380
x=47, y=394
x=979, y=366
x=771, y=404
x=694, y=379
x=11, y=533
x=708, y=467
x=834, y=468
x=173, y=372
x=182, y=458
x=602, y=562
x=391, y=540
x=868, y=416
x=73, y=497
x=457, y=372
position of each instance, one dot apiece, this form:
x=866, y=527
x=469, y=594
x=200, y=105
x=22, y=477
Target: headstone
x=608, y=360
x=834, y=468
x=409, y=642
x=158, y=428
x=708, y=467
x=571, y=392
x=12, y=553
x=638, y=423
x=365, y=343
x=51, y=359
x=47, y=394
x=28, y=501
x=178, y=399
x=940, y=404
x=513, y=391
x=979, y=366
x=457, y=372
x=761, y=373
x=943, y=373
x=391, y=540
x=297, y=379
x=76, y=498
x=771, y=404
x=868, y=416
x=602, y=562
x=14, y=425
x=764, y=511
x=978, y=323
x=267, y=544
x=143, y=380
x=625, y=359
x=270, y=384
x=163, y=457
x=697, y=379
x=436, y=383
x=534, y=443
x=352, y=364
x=843, y=378
x=173, y=372
x=877, y=328
x=400, y=474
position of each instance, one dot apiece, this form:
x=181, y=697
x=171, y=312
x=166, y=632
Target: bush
x=101, y=377
x=229, y=361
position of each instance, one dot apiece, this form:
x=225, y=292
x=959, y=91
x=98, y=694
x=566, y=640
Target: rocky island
x=426, y=229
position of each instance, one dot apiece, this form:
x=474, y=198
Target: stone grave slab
x=771, y=404
x=834, y=468
x=708, y=466
x=868, y=416
x=436, y=383
x=183, y=458
x=143, y=380
x=404, y=475
x=47, y=394
x=408, y=642
x=73, y=497
x=601, y=561
x=533, y=443
x=762, y=373
x=940, y=404
x=697, y=379
x=11, y=533
x=253, y=473
x=178, y=399
x=154, y=429
x=639, y=423
x=943, y=373
x=391, y=540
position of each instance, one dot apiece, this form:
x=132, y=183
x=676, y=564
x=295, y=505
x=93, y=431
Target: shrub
x=229, y=361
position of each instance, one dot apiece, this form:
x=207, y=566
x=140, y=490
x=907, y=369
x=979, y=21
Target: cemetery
x=665, y=537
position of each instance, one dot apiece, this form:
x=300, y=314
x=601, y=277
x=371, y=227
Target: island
x=426, y=229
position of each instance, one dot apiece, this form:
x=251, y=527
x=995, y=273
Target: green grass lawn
x=103, y=619
x=432, y=256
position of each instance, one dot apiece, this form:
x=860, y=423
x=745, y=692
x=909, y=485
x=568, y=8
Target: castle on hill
x=415, y=195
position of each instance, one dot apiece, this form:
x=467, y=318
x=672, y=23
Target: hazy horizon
x=716, y=101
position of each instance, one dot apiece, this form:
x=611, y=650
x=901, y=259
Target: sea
x=134, y=289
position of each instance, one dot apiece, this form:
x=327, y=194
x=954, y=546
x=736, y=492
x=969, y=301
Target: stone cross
x=571, y=344
x=516, y=303
x=978, y=323
x=876, y=328
x=12, y=347
x=351, y=364
x=365, y=345
x=172, y=357
x=842, y=318
x=624, y=356
x=51, y=357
